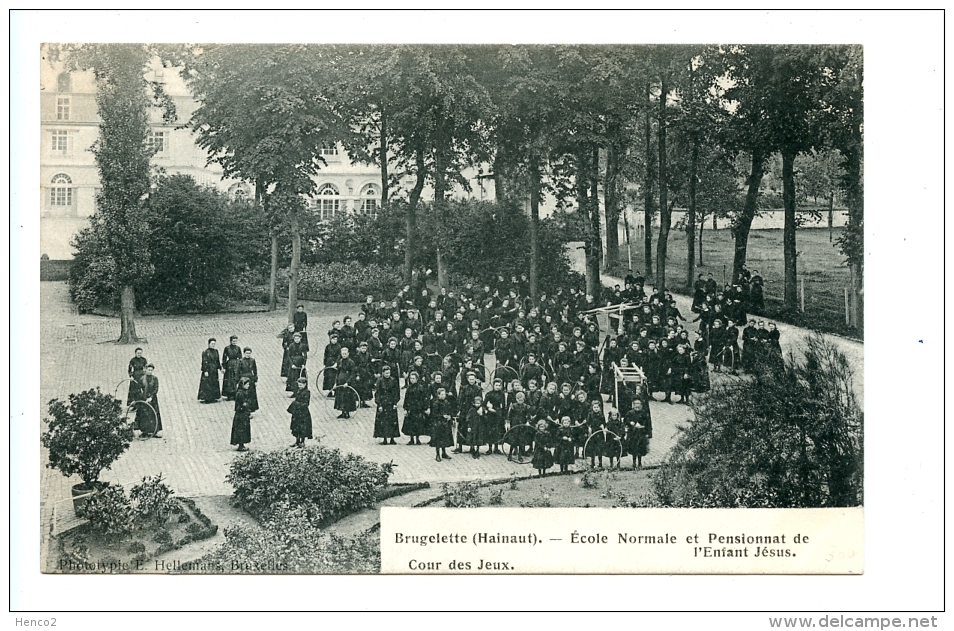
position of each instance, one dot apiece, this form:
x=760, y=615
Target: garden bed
x=83, y=551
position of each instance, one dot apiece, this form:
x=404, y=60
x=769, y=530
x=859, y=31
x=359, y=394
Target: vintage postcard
x=466, y=309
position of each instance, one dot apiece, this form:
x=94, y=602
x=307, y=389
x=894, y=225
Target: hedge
x=345, y=282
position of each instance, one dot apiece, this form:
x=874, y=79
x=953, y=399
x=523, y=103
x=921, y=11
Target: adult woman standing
x=209, y=391
x=387, y=393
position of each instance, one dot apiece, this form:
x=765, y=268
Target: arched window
x=61, y=190
x=328, y=201
x=240, y=191
x=370, y=200
x=64, y=83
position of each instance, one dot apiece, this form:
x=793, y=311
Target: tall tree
x=264, y=116
x=847, y=135
x=123, y=100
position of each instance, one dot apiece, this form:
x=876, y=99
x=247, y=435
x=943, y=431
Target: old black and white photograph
x=287, y=286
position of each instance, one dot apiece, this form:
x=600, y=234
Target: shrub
x=153, y=499
x=136, y=547
x=789, y=436
x=323, y=480
x=496, y=497
x=345, y=282
x=110, y=513
x=86, y=435
x=163, y=536
x=293, y=545
x=462, y=495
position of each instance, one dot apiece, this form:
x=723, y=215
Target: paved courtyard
x=194, y=452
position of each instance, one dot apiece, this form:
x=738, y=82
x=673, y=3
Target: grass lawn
x=820, y=264
x=602, y=488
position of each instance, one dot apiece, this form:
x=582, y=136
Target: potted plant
x=85, y=436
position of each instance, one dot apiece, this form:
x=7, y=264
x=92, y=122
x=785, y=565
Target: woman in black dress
x=387, y=394
x=209, y=391
x=136, y=369
x=146, y=417
x=231, y=359
x=639, y=429
x=442, y=424
x=242, y=420
x=301, y=415
x=248, y=368
x=415, y=409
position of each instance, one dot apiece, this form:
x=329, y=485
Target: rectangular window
x=61, y=141
x=62, y=108
x=61, y=196
x=156, y=140
x=369, y=206
x=329, y=150
x=328, y=208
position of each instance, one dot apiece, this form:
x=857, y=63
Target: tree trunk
x=441, y=271
x=411, y=219
x=591, y=240
x=295, y=267
x=535, y=185
x=831, y=214
x=611, y=203
x=595, y=216
x=127, y=317
x=856, y=225
x=383, y=158
x=665, y=214
x=702, y=225
x=273, y=274
x=260, y=200
x=648, y=193
x=743, y=223
x=788, y=234
x=691, y=220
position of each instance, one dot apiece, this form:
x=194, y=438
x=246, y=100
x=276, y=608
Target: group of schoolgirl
x=240, y=376
x=437, y=344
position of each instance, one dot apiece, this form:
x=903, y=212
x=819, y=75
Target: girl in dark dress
x=248, y=368
x=595, y=424
x=474, y=424
x=542, y=458
x=639, y=429
x=301, y=415
x=287, y=336
x=415, y=409
x=519, y=416
x=613, y=447
x=346, y=398
x=331, y=355
x=442, y=424
x=242, y=420
x=563, y=453
x=209, y=391
x=387, y=394
x=297, y=354
x=492, y=424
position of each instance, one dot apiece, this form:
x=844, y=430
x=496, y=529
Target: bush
x=345, y=282
x=322, y=481
x=462, y=495
x=789, y=436
x=196, y=265
x=110, y=513
x=292, y=545
x=153, y=499
x=496, y=497
x=86, y=435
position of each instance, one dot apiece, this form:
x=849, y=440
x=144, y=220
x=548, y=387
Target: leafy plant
x=322, y=480
x=136, y=547
x=462, y=495
x=110, y=512
x=86, y=434
x=153, y=499
x=346, y=282
x=496, y=497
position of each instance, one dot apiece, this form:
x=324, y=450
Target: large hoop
x=119, y=385
x=493, y=375
x=148, y=430
x=617, y=439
